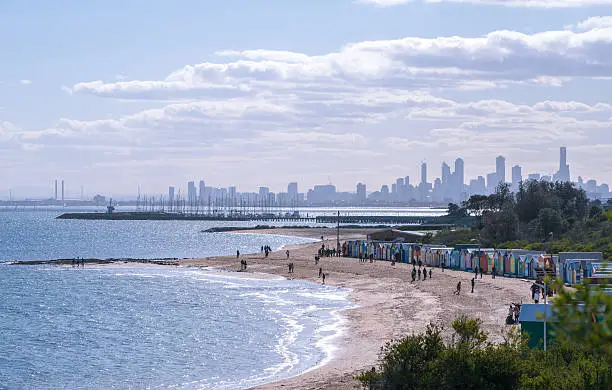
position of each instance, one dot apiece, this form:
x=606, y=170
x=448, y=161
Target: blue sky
x=112, y=94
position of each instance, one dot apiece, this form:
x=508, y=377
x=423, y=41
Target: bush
x=579, y=358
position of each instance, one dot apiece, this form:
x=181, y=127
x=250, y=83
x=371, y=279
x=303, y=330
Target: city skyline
x=266, y=92
x=449, y=186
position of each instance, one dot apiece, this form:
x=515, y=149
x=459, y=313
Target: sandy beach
x=388, y=305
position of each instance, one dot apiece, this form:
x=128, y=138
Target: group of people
x=243, y=265
x=291, y=267
x=364, y=258
x=266, y=249
x=417, y=274
x=325, y=251
x=78, y=262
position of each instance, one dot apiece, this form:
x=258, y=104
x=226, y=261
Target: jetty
x=323, y=219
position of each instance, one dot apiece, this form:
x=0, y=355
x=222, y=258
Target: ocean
x=37, y=235
x=136, y=327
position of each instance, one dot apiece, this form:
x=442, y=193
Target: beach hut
x=575, y=266
x=531, y=319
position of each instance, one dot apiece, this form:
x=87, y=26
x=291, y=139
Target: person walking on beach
x=473, y=282
x=287, y=254
x=476, y=271
x=320, y=271
x=237, y=254
x=419, y=273
x=535, y=292
x=493, y=272
x=413, y=274
x=458, y=291
x=323, y=277
x=481, y=270
x=424, y=273
x=430, y=273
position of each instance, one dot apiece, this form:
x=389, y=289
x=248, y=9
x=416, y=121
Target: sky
x=111, y=94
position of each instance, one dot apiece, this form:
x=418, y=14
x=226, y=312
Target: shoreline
x=387, y=305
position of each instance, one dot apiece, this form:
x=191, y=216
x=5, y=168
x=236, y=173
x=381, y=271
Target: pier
x=324, y=219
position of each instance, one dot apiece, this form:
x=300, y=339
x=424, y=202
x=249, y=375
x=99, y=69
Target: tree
x=477, y=204
x=550, y=221
x=584, y=317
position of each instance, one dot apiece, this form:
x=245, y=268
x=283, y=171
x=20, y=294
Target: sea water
x=104, y=328
x=37, y=235
x=138, y=327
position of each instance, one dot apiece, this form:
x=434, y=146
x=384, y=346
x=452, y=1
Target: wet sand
x=389, y=305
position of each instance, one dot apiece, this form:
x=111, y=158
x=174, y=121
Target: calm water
x=102, y=328
x=37, y=235
x=159, y=328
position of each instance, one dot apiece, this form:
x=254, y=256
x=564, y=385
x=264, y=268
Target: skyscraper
x=459, y=177
x=517, y=176
x=292, y=190
x=191, y=192
x=171, y=194
x=361, y=192
x=446, y=173
x=564, y=172
x=62, y=190
x=201, y=196
x=500, y=169
x=55, y=189
x=424, y=173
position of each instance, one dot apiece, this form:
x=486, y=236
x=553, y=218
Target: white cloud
x=594, y=22
x=25, y=82
x=498, y=59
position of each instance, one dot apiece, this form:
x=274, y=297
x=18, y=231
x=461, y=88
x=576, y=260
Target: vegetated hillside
x=579, y=356
x=555, y=217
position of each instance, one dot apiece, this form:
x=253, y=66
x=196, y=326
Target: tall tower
x=562, y=158
x=446, y=172
x=517, y=176
x=55, y=190
x=201, y=191
x=500, y=169
x=171, y=195
x=62, y=190
x=564, y=173
x=459, y=177
x=424, y=173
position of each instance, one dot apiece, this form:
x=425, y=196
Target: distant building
x=264, y=193
x=423, y=173
x=500, y=169
x=171, y=194
x=533, y=176
x=564, y=172
x=292, y=194
x=492, y=182
x=231, y=192
x=459, y=180
x=191, y=193
x=361, y=192
x=202, y=192
x=517, y=177
x=322, y=193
